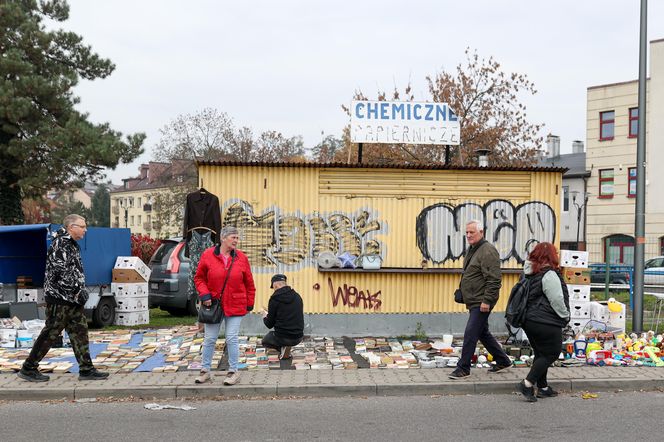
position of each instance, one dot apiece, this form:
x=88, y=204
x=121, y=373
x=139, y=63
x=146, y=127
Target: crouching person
x=284, y=314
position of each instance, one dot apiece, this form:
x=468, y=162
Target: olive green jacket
x=481, y=279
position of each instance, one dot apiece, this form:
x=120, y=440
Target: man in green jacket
x=480, y=287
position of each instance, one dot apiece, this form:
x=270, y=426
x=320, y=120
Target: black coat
x=285, y=314
x=201, y=210
x=539, y=309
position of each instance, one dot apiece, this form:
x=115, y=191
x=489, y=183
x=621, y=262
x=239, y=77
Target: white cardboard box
x=7, y=338
x=574, y=258
x=599, y=311
x=130, y=268
x=579, y=309
x=132, y=318
x=578, y=292
x=126, y=304
x=578, y=324
x=27, y=295
x=129, y=290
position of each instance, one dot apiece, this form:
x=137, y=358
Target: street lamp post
x=579, y=211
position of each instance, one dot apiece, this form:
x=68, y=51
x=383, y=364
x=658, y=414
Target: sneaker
x=459, y=373
x=546, y=392
x=92, y=375
x=203, y=377
x=497, y=367
x=284, y=353
x=527, y=392
x=231, y=378
x=32, y=375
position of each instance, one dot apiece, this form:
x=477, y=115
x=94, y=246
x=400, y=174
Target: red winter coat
x=240, y=290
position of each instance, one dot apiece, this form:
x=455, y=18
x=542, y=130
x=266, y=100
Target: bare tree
x=485, y=99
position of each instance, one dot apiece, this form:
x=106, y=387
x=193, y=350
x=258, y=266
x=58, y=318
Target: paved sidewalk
x=322, y=383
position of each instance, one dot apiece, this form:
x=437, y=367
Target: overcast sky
x=289, y=65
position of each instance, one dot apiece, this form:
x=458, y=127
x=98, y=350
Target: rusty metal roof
x=376, y=166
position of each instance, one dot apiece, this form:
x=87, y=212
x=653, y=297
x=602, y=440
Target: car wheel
x=104, y=314
x=193, y=305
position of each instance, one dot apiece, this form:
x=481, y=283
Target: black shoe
x=32, y=375
x=92, y=375
x=527, y=392
x=546, y=392
x=496, y=368
x=459, y=373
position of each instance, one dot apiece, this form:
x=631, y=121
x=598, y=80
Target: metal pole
x=640, y=219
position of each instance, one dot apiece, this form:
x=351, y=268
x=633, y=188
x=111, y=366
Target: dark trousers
x=477, y=329
x=59, y=317
x=271, y=340
x=546, y=341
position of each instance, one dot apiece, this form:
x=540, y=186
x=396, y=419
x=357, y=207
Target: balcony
x=115, y=210
x=147, y=226
x=147, y=207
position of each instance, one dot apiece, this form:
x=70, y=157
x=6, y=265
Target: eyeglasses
x=80, y=226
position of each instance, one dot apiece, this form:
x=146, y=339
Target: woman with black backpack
x=546, y=315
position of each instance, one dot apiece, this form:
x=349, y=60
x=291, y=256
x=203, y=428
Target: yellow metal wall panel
x=414, y=219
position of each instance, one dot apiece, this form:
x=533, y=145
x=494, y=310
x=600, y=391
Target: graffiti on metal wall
x=514, y=230
x=295, y=239
x=351, y=296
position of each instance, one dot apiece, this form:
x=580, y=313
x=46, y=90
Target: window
x=131, y=220
x=606, y=125
x=139, y=220
x=631, y=183
x=139, y=202
x=565, y=198
x=619, y=249
x=606, y=183
x=633, y=122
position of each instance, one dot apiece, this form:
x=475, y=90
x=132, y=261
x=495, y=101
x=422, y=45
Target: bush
x=143, y=246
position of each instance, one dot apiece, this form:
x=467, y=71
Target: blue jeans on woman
x=211, y=335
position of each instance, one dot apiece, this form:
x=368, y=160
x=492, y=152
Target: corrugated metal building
x=413, y=217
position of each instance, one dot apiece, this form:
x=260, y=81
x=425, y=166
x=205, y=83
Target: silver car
x=170, y=278
x=654, y=271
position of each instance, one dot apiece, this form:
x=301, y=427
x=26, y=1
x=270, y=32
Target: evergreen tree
x=100, y=210
x=45, y=142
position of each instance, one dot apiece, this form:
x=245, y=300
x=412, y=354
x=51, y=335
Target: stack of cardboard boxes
x=577, y=277
x=130, y=287
x=602, y=314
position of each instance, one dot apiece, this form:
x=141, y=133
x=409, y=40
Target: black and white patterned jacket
x=64, y=281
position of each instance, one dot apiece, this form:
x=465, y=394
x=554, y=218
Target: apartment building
x=143, y=203
x=573, y=194
x=612, y=128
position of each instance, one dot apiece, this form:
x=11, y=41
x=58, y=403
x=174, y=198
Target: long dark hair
x=544, y=255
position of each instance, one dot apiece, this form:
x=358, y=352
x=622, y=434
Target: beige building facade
x=144, y=203
x=612, y=128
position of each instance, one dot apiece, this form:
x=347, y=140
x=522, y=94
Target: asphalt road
x=610, y=416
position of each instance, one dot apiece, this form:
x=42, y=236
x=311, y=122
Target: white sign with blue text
x=403, y=122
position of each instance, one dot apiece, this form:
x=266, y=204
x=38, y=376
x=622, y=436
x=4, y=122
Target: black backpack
x=515, y=312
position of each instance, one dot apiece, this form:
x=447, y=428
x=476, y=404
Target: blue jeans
x=211, y=335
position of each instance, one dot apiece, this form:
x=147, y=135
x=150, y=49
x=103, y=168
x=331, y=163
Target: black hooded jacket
x=285, y=314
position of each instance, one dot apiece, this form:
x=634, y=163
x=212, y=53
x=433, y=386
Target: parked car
x=170, y=278
x=654, y=271
x=617, y=274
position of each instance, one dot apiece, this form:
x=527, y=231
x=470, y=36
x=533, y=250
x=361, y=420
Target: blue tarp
x=23, y=252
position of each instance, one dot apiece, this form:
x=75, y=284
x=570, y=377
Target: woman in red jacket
x=219, y=265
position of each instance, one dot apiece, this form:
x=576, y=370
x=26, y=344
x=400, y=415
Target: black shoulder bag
x=213, y=313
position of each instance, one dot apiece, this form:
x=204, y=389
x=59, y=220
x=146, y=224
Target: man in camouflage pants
x=65, y=294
